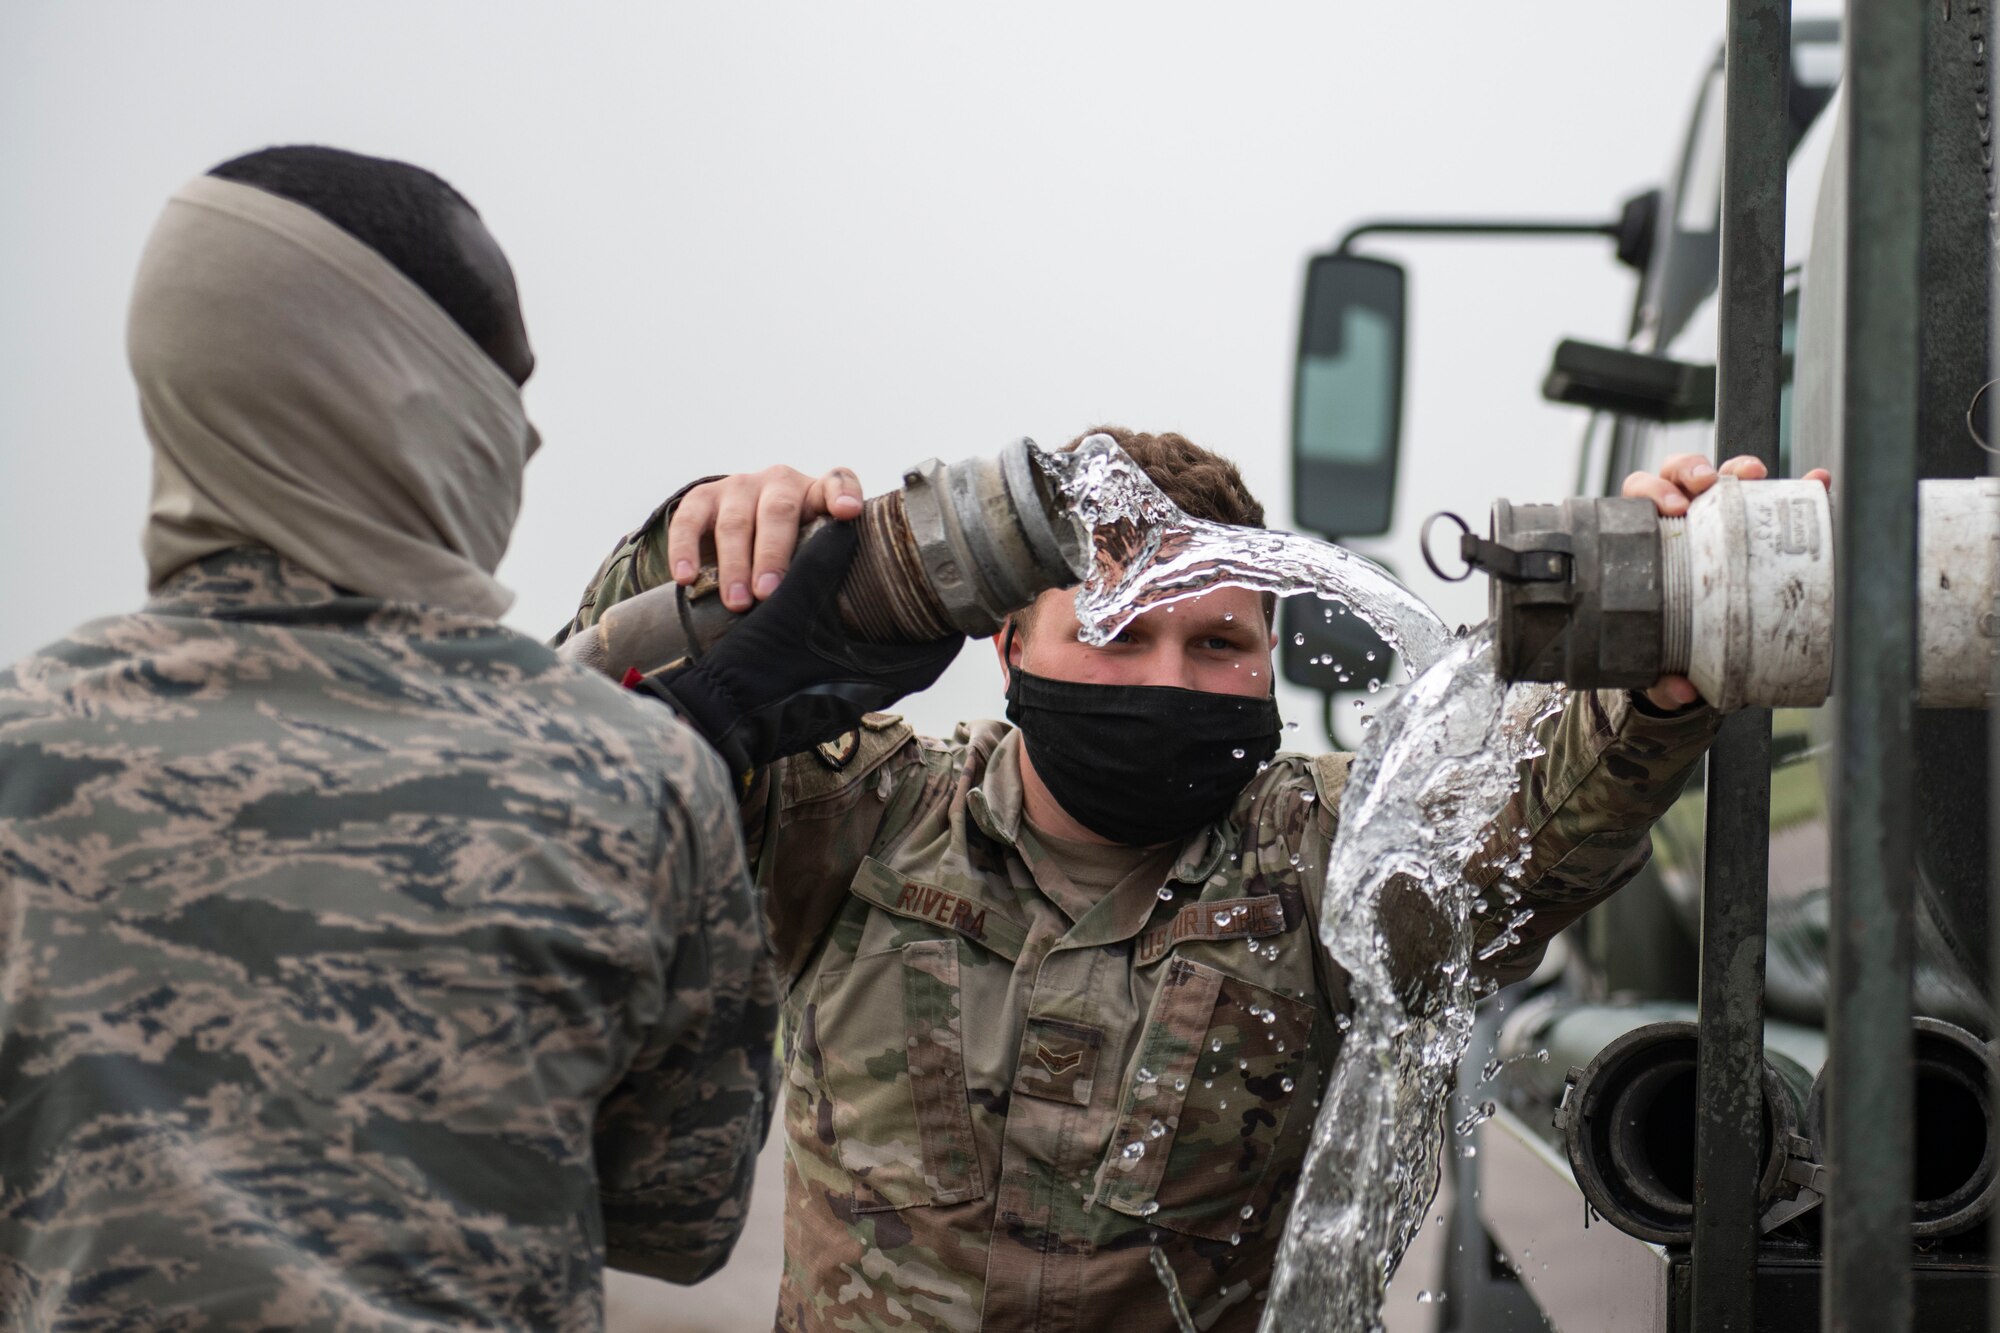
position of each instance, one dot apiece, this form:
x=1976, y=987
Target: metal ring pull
x=1424, y=544
x=1972, y=418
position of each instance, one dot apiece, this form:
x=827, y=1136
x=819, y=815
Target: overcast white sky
x=819, y=233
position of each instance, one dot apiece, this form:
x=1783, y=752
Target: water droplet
x=1430, y=1298
x=1166, y=893
x=1286, y=1084
x=1474, y=1118
x=1298, y=640
x=1236, y=753
x=1146, y=1075
x=1222, y=1105
x=1307, y=797
x=1180, y=1085
x=1371, y=654
x=1150, y=1207
x=1132, y=1151
x=1235, y=1238
x=1155, y=1130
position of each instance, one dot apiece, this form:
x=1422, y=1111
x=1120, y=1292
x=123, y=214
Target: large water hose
x=957, y=549
x=1628, y=1122
x=1626, y=1113
x=1955, y=1167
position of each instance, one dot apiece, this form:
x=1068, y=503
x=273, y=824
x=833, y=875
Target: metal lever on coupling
x=1804, y=1178
x=1548, y=563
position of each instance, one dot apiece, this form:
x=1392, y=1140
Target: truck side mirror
x=1347, y=400
x=1318, y=644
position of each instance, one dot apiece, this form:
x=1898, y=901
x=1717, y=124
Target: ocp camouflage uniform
x=361, y=966
x=995, y=1110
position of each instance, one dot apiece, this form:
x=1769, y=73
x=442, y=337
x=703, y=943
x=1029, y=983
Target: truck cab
x=1634, y=960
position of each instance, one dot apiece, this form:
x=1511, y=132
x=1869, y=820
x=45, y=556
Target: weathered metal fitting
x=1738, y=595
x=990, y=536
x=958, y=549
x=1760, y=559
x=1630, y=1130
x=1957, y=1175
x=1602, y=626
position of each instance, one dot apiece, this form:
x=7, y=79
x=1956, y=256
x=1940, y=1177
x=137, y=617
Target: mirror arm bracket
x=1435, y=227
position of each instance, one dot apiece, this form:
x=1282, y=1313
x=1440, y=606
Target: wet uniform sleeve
x=1610, y=768
x=676, y=1142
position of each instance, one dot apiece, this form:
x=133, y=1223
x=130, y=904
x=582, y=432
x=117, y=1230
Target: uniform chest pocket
x=890, y=1048
x=1223, y=1090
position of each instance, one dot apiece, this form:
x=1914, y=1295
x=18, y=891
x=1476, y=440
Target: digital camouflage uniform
x=996, y=1110
x=362, y=966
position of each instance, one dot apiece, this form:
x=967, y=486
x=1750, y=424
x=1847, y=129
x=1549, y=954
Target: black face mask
x=1141, y=764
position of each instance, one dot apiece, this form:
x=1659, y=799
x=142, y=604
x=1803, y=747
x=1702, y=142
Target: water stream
x=1437, y=767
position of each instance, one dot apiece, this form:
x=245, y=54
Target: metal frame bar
x=1990, y=18
x=1446, y=227
x=1868, y=1281
x=1729, y=1102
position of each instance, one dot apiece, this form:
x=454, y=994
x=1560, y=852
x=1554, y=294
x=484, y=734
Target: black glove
x=790, y=674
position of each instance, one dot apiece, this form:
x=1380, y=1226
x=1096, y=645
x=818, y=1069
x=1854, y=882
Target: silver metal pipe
x=956, y=550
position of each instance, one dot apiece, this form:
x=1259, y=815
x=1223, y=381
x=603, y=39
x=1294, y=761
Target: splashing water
x=1149, y=554
x=1438, y=767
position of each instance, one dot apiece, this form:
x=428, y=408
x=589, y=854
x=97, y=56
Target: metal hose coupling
x=1628, y=1124
x=1738, y=595
x=1957, y=1167
x=956, y=550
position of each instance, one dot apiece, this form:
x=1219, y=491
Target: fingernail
x=739, y=596
x=1700, y=470
x=683, y=570
x=766, y=584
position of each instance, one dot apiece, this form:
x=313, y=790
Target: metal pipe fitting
x=1738, y=595
x=956, y=550
x=1628, y=1123
x=1956, y=1159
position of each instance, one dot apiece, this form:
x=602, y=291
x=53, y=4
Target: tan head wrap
x=303, y=395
